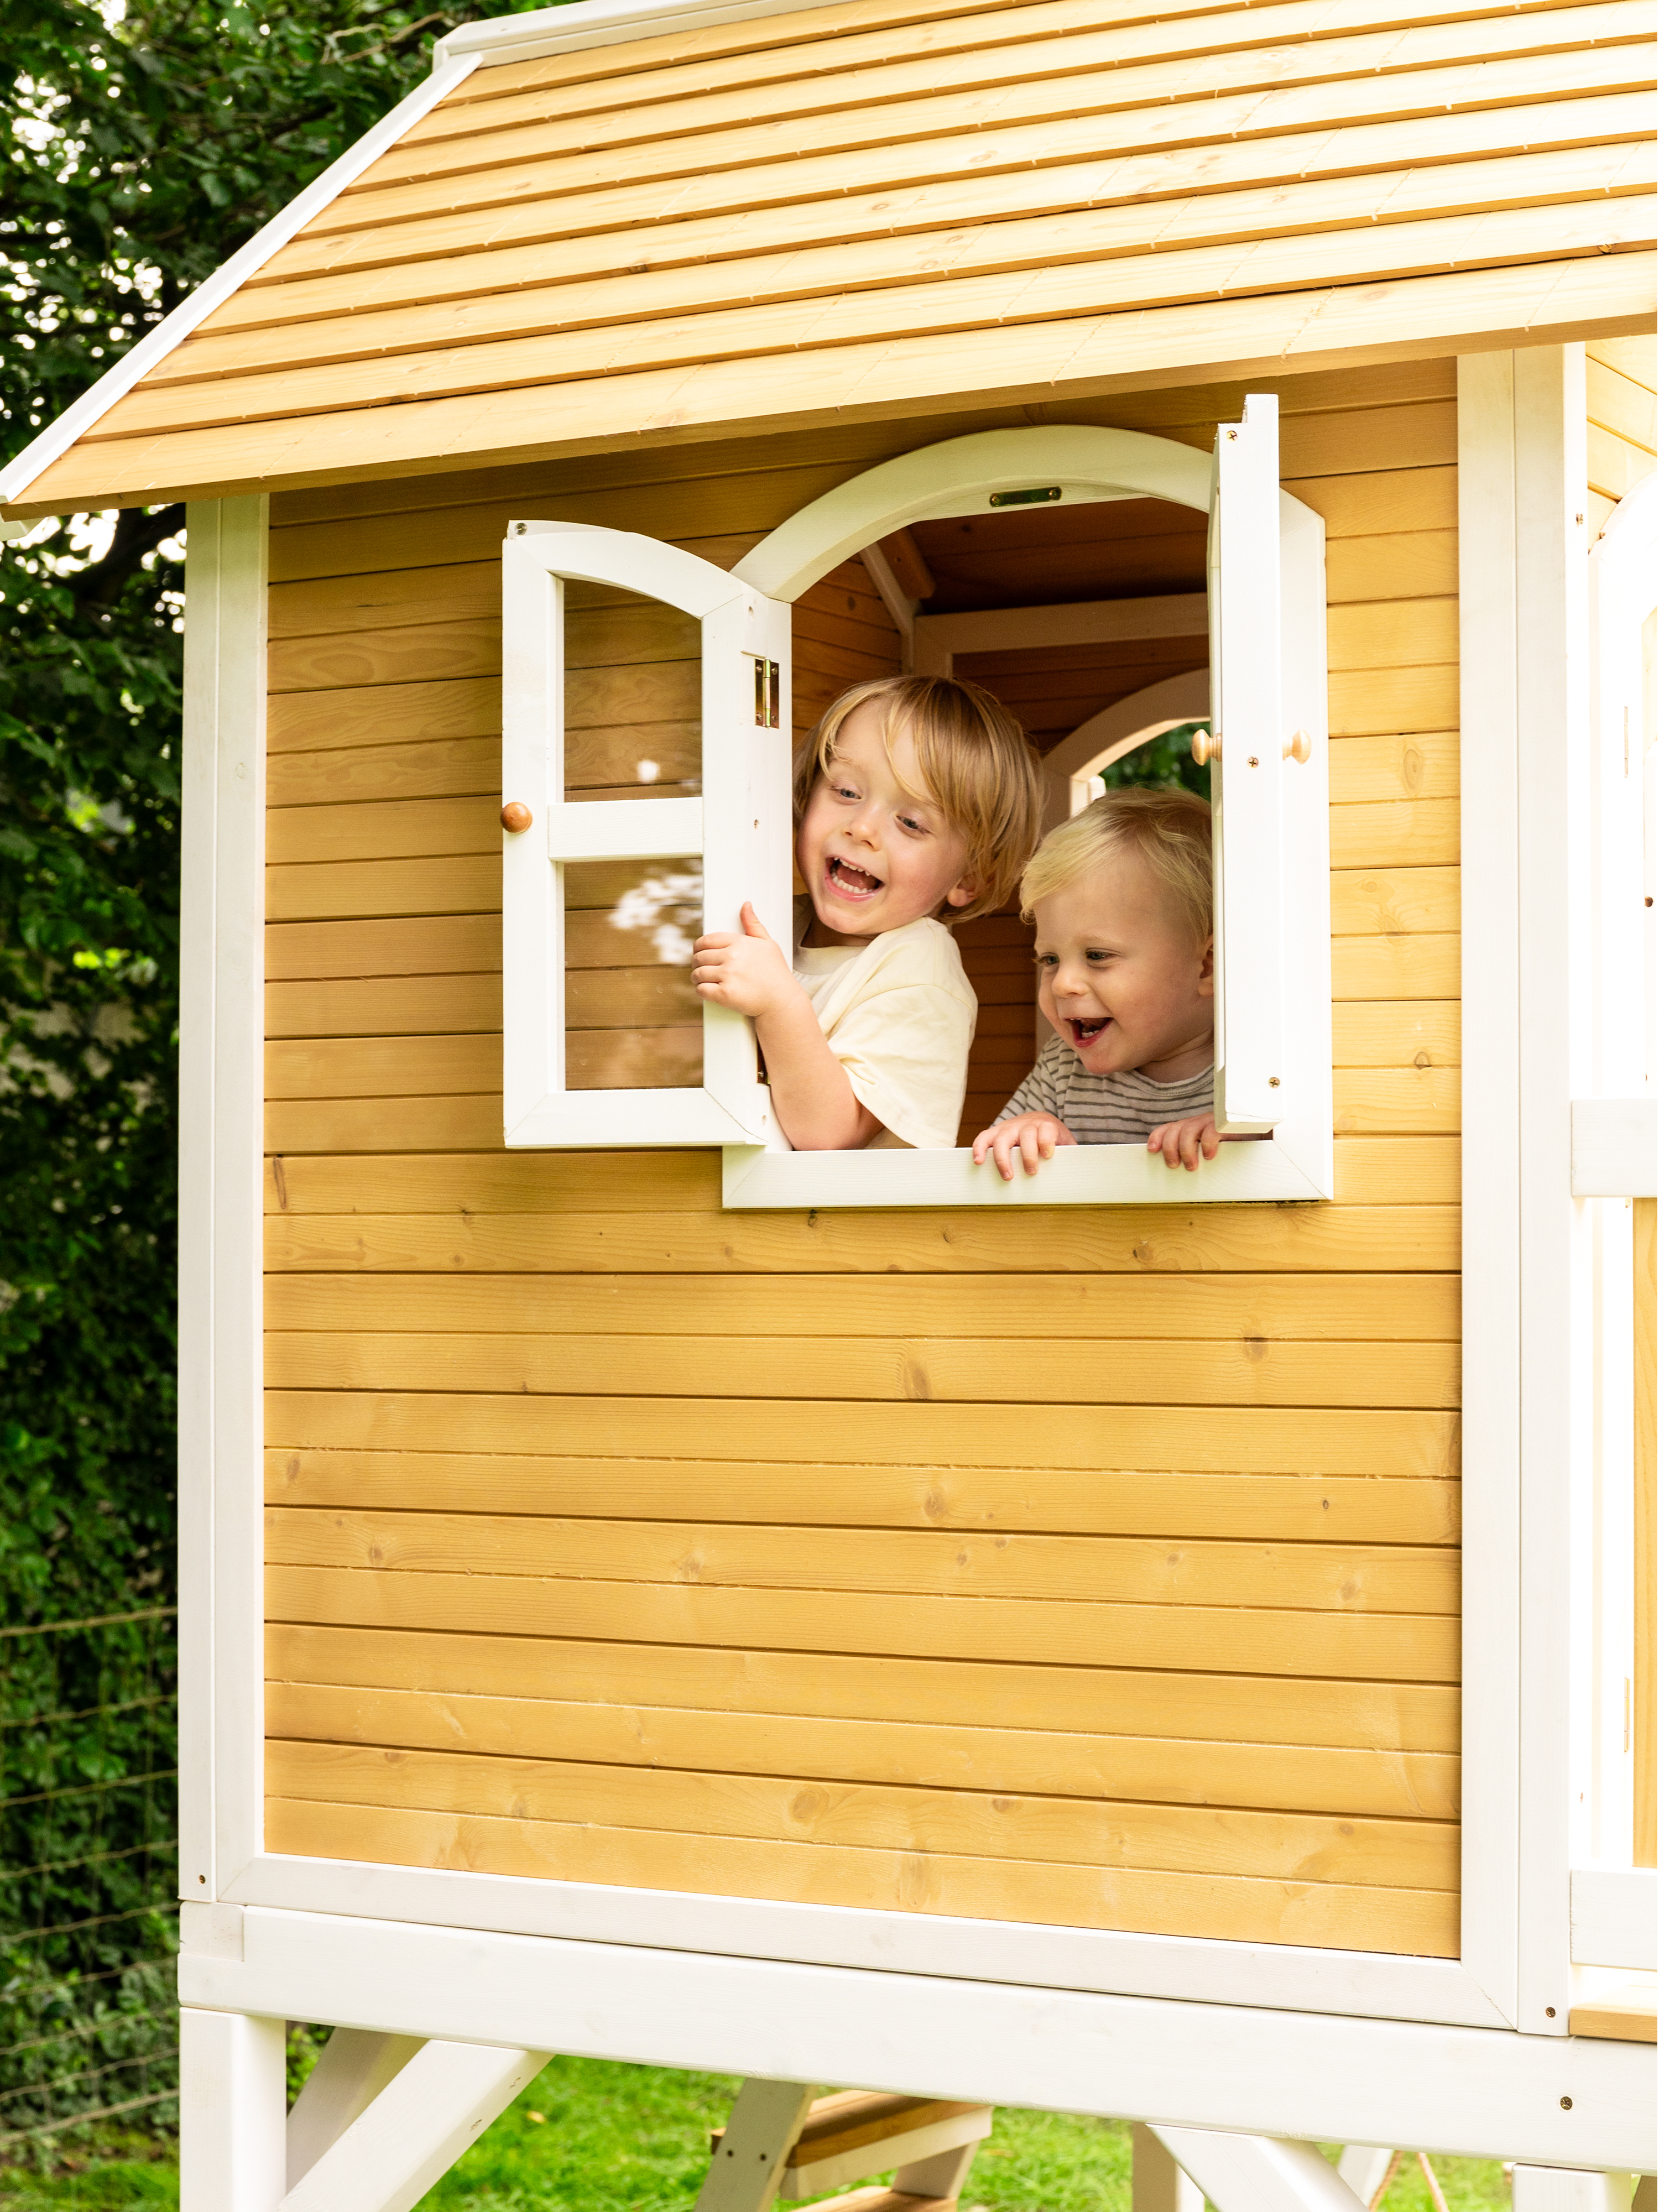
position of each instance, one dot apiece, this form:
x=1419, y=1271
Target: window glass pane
x=632, y=696
x=633, y=1021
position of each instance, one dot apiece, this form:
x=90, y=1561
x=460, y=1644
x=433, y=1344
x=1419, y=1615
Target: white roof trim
x=565, y=30
x=116, y=382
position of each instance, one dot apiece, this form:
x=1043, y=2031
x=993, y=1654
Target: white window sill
x=1264, y=1170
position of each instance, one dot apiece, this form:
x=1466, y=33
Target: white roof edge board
x=499, y=38
x=118, y=380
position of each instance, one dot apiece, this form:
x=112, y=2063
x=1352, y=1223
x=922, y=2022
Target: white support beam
x=743, y=2174
x=1258, y=2174
x=1157, y=2183
x=435, y=2108
x=232, y=2095
x=352, y=2069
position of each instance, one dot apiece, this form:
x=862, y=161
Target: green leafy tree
x=142, y=146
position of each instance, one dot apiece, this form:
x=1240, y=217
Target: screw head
x=1566, y=2104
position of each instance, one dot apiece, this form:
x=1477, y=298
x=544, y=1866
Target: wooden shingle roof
x=889, y=207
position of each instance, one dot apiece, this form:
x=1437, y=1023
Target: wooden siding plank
x=379, y=714
x=470, y=884
x=1399, y=1101
x=1637, y=358
x=1281, y=1777
x=1224, y=1639
x=1392, y=1718
x=1249, y=1308
x=1411, y=1854
x=1319, y=1913
x=1396, y=967
x=1316, y=1509
x=1618, y=403
x=1393, y=902
x=1127, y=1240
x=1413, y=833
x=1371, y=769
x=456, y=943
x=680, y=341
x=1367, y=701
x=873, y=1369
x=446, y=768
x=1417, y=1034
x=850, y=216
x=1414, y=1170
x=1227, y=1440
x=397, y=1004
x=1000, y=244
x=1384, y=1579
x=1616, y=467
x=1400, y=565
x=385, y=830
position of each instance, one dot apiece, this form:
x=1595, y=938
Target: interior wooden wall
x=1088, y=1566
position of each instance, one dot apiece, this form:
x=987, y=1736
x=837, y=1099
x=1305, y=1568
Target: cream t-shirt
x=899, y=1014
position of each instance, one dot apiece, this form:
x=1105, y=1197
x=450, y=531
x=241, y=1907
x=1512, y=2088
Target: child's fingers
x=981, y=1146
x=1211, y=1141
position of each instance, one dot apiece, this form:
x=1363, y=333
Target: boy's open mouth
x=855, y=882
x=1084, y=1032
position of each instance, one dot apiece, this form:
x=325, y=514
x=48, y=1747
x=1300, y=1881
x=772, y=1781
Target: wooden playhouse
x=1174, y=1648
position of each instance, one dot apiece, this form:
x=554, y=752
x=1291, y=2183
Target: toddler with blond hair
x=916, y=796
x=1126, y=976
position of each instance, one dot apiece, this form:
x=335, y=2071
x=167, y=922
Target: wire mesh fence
x=88, y=1916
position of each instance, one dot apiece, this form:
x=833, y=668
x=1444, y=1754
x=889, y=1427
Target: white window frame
x=1293, y=1154
x=738, y=828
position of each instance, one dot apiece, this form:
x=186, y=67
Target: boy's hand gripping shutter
x=734, y=832
x=1248, y=746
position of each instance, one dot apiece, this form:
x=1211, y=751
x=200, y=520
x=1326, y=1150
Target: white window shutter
x=735, y=832
x=1250, y=740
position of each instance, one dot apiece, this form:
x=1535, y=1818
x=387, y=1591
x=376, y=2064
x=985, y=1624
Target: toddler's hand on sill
x=1183, y=1144
x=1032, y=1137
x=748, y=973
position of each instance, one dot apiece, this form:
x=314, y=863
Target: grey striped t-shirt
x=1106, y=1110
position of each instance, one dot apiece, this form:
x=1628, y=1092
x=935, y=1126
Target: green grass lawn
x=592, y=2136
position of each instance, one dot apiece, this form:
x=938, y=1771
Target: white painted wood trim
x=352, y=2069
x=233, y=2091
x=1615, y=1147
x=958, y=475
x=543, y=31
x=759, y=2134
x=1251, y=2069
x=1191, y=1970
x=1256, y=1169
x=1258, y=2174
x=1556, y=1465
x=117, y=381
x=1615, y=1917
x=1087, y=622
x=1487, y=555
x=221, y=1061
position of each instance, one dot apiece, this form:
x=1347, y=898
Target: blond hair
x=1169, y=830
x=976, y=763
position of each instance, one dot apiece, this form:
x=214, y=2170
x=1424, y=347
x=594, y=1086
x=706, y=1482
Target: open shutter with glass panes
x=646, y=756
x=1246, y=749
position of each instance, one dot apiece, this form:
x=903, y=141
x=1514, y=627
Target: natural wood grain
x=383, y=714
x=1250, y=1310
x=1319, y=1913
x=1317, y=1508
x=1394, y=902
x=1396, y=967
x=1413, y=833
x=1223, y=1639
x=1227, y=1440
x=1402, y=1102
x=871, y=1369
x=1637, y=358
x=431, y=651
x=1616, y=467
x=445, y=767
x=1381, y=499
x=1415, y=1034
x=1403, y=565
x=381, y=1068
x=1279, y=1777
x=1190, y=1838
x=379, y=1124
x=1369, y=770
x=937, y=1563
x=386, y=830
x=1617, y=402
x=397, y=1006
x=1414, y=1170
x=1127, y=1239
x=470, y=884
x=421, y=946
x=1392, y=1718
x=1364, y=702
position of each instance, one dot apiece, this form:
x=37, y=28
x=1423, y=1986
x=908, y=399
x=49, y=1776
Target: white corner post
x=221, y=1067
x=233, y=2097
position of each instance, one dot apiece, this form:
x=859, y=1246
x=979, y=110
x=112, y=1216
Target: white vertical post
x=1556, y=1303
x=232, y=2096
x=220, y=1136
x=1490, y=920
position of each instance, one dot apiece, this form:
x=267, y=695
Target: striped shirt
x=1107, y=1109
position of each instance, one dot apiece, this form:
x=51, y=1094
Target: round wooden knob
x=1299, y=748
x=1204, y=748
x=515, y=817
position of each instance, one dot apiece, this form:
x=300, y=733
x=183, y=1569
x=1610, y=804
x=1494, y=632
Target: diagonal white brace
x=1258, y=2174
x=433, y=2110
x=352, y=2069
x=758, y=2137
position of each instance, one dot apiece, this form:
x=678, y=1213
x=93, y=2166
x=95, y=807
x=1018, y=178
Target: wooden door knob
x=1299, y=748
x=1204, y=748
x=516, y=816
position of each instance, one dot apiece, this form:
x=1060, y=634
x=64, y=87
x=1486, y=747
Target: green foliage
x=1166, y=761
x=141, y=148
